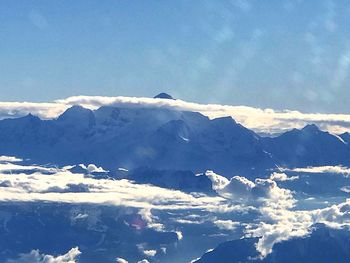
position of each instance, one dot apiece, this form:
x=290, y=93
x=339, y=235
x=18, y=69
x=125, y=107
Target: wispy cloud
x=321, y=169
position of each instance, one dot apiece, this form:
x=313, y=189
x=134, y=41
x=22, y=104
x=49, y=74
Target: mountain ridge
x=164, y=139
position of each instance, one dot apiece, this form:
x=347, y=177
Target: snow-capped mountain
x=345, y=136
x=159, y=138
x=308, y=147
x=132, y=137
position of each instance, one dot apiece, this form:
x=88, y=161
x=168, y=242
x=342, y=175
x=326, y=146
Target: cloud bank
x=271, y=210
x=35, y=183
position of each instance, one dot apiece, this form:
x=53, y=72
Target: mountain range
x=168, y=139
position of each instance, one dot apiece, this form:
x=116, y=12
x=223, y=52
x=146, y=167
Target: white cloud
x=150, y=253
x=279, y=222
x=278, y=225
x=143, y=261
x=260, y=120
x=35, y=257
x=9, y=166
x=322, y=169
x=240, y=188
x=282, y=177
x=150, y=219
x=10, y=159
x=190, y=219
x=121, y=260
x=226, y=224
x=43, y=110
x=91, y=168
x=218, y=181
x=147, y=252
x=179, y=235
x=345, y=189
x=80, y=216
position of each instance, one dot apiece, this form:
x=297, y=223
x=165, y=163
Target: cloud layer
x=263, y=208
x=34, y=183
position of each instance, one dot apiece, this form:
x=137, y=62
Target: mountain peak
x=76, y=115
x=30, y=117
x=75, y=110
x=163, y=96
x=311, y=128
x=345, y=136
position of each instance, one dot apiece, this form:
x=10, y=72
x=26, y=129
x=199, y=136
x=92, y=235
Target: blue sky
x=276, y=54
